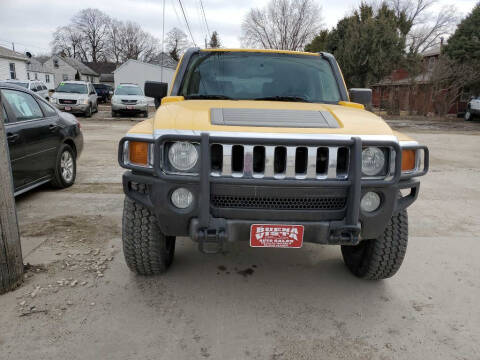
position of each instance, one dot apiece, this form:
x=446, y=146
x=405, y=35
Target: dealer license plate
x=129, y=107
x=276, y=235
x=68, y=108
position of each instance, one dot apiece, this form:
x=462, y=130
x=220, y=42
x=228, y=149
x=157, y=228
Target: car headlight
x=183, y=156
x=53, y=100
x=83, y=101
x=373, y=161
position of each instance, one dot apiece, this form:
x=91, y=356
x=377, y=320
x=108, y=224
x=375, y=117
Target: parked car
x=104, y=92
x=33, y=85
x=44, y=143
x=129, y=99
x=77, y=97
x=271, y=148
x=473, y=109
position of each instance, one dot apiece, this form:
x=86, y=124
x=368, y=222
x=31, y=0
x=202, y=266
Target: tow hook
x=210, y=241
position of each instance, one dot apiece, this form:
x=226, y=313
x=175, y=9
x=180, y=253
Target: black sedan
x=44, y=142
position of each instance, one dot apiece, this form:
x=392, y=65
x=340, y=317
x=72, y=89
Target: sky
x=30, y=23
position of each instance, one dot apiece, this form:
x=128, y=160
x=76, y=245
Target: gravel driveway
x=79, y=300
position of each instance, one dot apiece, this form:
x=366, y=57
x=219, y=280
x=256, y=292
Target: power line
x=205, y=17
x=186, y=22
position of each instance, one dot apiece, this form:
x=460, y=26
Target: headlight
x=183, y=156
x=83, y=101
x=53, y=100
x=373, y=161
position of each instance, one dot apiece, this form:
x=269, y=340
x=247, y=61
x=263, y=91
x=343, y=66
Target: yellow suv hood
x=195, y=115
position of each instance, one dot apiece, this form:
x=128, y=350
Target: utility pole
x=11, y=262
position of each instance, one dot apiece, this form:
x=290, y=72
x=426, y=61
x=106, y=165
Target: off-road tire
x=146, y=249
x=377, y=259
x=59, y=180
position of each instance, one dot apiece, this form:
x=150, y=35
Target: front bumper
x=73, y=108
x=206, y=222
x=137, y=108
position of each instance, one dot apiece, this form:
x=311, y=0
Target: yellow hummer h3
x=267, y=146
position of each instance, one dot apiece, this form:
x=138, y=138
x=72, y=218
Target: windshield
x=128, y=90
x=22, y=84
x=72, y=88
x=260, y=76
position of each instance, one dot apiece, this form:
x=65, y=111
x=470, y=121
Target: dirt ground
x=79, y=300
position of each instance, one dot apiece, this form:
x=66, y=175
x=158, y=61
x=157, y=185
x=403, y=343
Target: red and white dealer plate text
x=276, y=235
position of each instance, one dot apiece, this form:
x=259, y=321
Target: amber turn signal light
x=408, y=160
x=138, y=152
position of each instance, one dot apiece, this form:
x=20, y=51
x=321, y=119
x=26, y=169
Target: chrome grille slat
x=332, y=162
x=287, y=162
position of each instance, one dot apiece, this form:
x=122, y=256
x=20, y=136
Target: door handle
x=11, y=138
x=53, y=127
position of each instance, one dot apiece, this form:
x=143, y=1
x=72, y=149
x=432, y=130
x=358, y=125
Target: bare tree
x=93, y=26
x=177, y=43
x=68, y=41
x=424, y=29
x=282, y=24
x=114, y=48
x=449, y=77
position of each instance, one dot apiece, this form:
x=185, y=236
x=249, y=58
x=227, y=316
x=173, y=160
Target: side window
x=47, y=109
x=4, y=115
x=23, y=105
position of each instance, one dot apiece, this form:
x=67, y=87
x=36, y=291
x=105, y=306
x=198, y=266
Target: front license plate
x=276, y=235
x=129, y=107
x=68, y=108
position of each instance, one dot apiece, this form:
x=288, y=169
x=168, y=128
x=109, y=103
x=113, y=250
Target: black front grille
x=67, y=101
x=278, y=203
x=129, y=102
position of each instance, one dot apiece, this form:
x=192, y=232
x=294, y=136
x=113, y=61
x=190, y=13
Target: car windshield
x=260, y=76
x=22, y=84
x=128, y=90
x=72, y=88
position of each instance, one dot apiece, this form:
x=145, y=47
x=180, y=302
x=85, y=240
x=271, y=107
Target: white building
x=66, y=68
x=38, y=71
x=13, y=65
x=137, y=72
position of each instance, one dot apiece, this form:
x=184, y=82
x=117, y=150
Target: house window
x=55, y=63
x=47, y=78
x=28, y=75
x=36, y=76
x=65, y=77
x=13, y=74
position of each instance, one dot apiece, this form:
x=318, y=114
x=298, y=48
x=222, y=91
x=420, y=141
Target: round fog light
x=370, y=202
x=182, y=198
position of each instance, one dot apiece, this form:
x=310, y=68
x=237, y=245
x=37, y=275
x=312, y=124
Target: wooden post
x=11, y=262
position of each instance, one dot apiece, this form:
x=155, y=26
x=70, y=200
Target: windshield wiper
x=201, y=96
x=283, y=98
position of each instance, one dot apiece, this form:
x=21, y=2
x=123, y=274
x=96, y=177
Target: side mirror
x=34, y=89
x=156, y=90
x=361, y=96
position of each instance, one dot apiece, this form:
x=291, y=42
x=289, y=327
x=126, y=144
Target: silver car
x=129, y=99
x=75, y=97
x=34, y=85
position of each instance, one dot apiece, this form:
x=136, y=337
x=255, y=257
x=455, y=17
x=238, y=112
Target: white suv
x=473, y=108
x=75, y=97
x=33, y=85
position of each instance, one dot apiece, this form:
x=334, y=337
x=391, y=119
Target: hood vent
x=273, y=118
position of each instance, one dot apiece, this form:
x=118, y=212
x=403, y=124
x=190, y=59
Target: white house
x=137, y=72
x=13, y=65
x=38, y=71
x=66, y=68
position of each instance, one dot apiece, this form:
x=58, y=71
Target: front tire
x=65, y=168
x=88, y=112
x=380, y=258
x=468, y=115
x=146, y=249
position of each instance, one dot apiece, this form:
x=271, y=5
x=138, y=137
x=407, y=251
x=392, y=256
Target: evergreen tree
x=464, y=44
x=214, y=41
